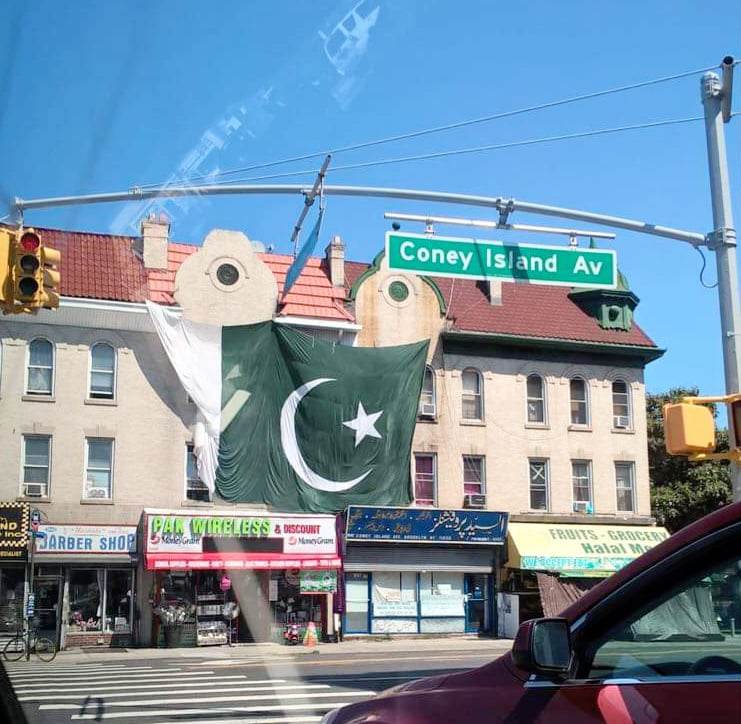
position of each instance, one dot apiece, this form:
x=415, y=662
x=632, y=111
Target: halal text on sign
x=484, y=259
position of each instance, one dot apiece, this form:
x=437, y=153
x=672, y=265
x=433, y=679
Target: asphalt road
x=207, y=691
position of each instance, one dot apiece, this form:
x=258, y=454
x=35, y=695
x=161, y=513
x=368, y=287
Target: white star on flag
x=364, y=424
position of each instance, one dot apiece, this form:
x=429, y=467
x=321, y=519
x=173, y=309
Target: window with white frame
x=425, y=479
x=624, y=482
x=36, y=466
x=579, y=401
x=538, y=483
x=195, y=488
x=472, y=398
x=621, y=412
x=427, y=401
x=535, y=400
x=40, y=370
x=102, y=371
x=581, y=480
x=474, y=475
x=98, y=468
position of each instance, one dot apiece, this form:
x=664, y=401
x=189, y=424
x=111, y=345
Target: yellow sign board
x=570, y=548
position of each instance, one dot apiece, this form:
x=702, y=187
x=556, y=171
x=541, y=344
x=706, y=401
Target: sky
x=101, y=97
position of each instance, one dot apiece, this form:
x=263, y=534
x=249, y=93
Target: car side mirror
x=543, y=646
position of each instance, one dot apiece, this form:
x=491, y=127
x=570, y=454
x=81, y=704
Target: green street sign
x=483, y=259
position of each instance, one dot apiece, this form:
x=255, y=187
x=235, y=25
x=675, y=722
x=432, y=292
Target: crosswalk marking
x=42, y=670
x=230, y=689
x=67, y=675
x=43, y=688
x=216, y=699
x=231, y=711
x=182, y=676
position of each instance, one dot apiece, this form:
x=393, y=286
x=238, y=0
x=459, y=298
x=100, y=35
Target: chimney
x=153, y=243
x=335, y=256
x=495, y=292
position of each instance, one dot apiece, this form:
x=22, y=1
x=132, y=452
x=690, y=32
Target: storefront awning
x=418, y=558
x=578, y=550
x=207, y=561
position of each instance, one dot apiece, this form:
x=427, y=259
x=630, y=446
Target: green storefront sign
x=318, y=581
x=210, y=526
x=484, y=259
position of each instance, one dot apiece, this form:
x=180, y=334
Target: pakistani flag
x=293, y=422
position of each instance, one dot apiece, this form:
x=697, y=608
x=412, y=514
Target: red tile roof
x=527, y=310
x=103, y=266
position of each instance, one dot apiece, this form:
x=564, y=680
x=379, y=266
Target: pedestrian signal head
x=688, y=429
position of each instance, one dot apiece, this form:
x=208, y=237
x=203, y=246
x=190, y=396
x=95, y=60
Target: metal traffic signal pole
x=716, y=98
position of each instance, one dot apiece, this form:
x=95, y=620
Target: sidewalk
x=256, y=652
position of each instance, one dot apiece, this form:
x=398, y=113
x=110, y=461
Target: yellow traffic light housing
x=6, y=269
x=29, y=277
x=50, y=260
x=689, y=428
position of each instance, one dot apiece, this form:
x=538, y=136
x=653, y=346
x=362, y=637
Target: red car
x=660, y=641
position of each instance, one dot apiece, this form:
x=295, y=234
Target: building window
x=102, y=371
x=538, y=484
x=85, y=596
x=195, y=488
x=40, y=373
x=625, y=488
x=581, y=478
x=474, y=477
x=36, y=465
x=579, y=402
x=535, y=400
x=473, y=408
x=427, y=402
x=621, y=406
x=425, y=482
x=99, y=468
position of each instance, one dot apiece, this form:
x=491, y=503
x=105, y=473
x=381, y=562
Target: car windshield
x=336, y=340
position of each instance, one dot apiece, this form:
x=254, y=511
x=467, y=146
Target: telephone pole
x=716, y=99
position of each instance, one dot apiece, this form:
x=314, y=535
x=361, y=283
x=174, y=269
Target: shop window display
x=84, y=600
x=291, y=607
x=118, y=601
x=11, y=599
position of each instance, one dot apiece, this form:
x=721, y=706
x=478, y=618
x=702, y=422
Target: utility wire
x=702, y=271
x=475, y=149
x=450, y=126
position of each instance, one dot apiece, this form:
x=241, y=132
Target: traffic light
x=6, y=269
x=28, y=273
x=688, y=429
x=50, y=276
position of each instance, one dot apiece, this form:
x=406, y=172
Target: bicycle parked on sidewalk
x=42, y=646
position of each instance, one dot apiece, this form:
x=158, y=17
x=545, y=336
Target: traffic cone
x=310, y=637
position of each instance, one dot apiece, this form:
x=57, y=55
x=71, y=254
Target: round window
x=227, y=274
x=398, y=291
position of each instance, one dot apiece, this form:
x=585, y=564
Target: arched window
x=579, y=402
x=535, y=400
x=621, y=408
x=473, y=395
x=102, y=371
x=427, y=402
x=40, y=370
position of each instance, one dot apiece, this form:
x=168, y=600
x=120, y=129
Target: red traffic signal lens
x=30, y=241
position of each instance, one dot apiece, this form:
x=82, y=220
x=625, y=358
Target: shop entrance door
x=46, y=612
x=477, y=602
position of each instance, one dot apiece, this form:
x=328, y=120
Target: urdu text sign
x=484, y=259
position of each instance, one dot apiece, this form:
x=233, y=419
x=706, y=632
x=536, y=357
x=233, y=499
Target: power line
x=475, y=149
x=449, y=126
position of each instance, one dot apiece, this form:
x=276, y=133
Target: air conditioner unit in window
x=97, y=492
x=427, y=409
x=583, y=507
x=477, y=501
x=622, y=422
x=34, y=490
